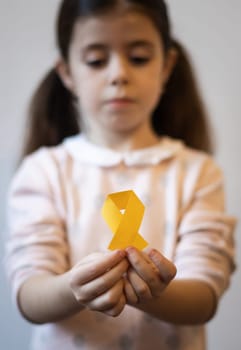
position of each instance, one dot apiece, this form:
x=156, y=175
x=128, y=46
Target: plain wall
x=210, y=30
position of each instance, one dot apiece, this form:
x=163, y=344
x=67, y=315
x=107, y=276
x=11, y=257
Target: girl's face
x=116, y=69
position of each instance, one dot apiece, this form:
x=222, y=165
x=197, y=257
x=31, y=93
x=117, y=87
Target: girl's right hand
x=97, y=282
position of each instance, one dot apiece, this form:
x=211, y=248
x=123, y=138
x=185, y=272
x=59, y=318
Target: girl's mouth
x=120, y=102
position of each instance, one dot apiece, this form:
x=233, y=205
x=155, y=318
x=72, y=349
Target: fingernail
x=121, y=253
x=153, y=253
x=130, y=250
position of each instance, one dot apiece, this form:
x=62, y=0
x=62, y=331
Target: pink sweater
x=55, y=220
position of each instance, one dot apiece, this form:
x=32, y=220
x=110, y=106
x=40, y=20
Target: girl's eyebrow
x=141, y=43
x=94, y=47
x=131, y=45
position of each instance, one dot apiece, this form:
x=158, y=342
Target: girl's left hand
x=149, y=274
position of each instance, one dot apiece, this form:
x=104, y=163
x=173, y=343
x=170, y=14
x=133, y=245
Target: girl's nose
x=118, y=71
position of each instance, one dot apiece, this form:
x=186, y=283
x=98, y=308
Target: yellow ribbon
x=123, y=212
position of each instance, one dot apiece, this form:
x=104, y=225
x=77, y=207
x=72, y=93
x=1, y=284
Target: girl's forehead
x=114, y=25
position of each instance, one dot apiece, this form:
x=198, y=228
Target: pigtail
x=181, y=113
x=52, y=114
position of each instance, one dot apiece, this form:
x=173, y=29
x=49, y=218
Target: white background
x=210, y=30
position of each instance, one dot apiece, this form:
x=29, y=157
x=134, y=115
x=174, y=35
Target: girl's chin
x=121, y=122
x=120, y=128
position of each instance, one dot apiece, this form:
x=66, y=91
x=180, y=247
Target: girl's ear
x=62, y=69
x=171, y=60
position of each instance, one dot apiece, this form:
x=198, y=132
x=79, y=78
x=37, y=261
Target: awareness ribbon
x=123, y=212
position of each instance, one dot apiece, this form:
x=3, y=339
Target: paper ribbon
x=123, y=212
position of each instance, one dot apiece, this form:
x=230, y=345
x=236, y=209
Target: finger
x=140, y=261
x=100, y=285
x=109, y=299
x=146, y=270
x=118, y=308
x=88, y=270
x=130, y=294
x=139, y=286
x=166, y=268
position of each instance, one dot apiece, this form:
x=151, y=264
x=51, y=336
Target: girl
x=127, y=85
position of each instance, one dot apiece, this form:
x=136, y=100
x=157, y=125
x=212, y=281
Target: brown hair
x=179, y=114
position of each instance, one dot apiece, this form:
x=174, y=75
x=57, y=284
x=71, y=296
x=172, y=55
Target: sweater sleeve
x=205, y=249
x=37, y=239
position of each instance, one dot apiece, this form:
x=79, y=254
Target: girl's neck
x=140, y=138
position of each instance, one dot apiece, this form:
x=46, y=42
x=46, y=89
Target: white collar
x=86, y=152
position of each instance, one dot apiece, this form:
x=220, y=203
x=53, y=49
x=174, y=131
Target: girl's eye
x=96, y=63
x=139, y=60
